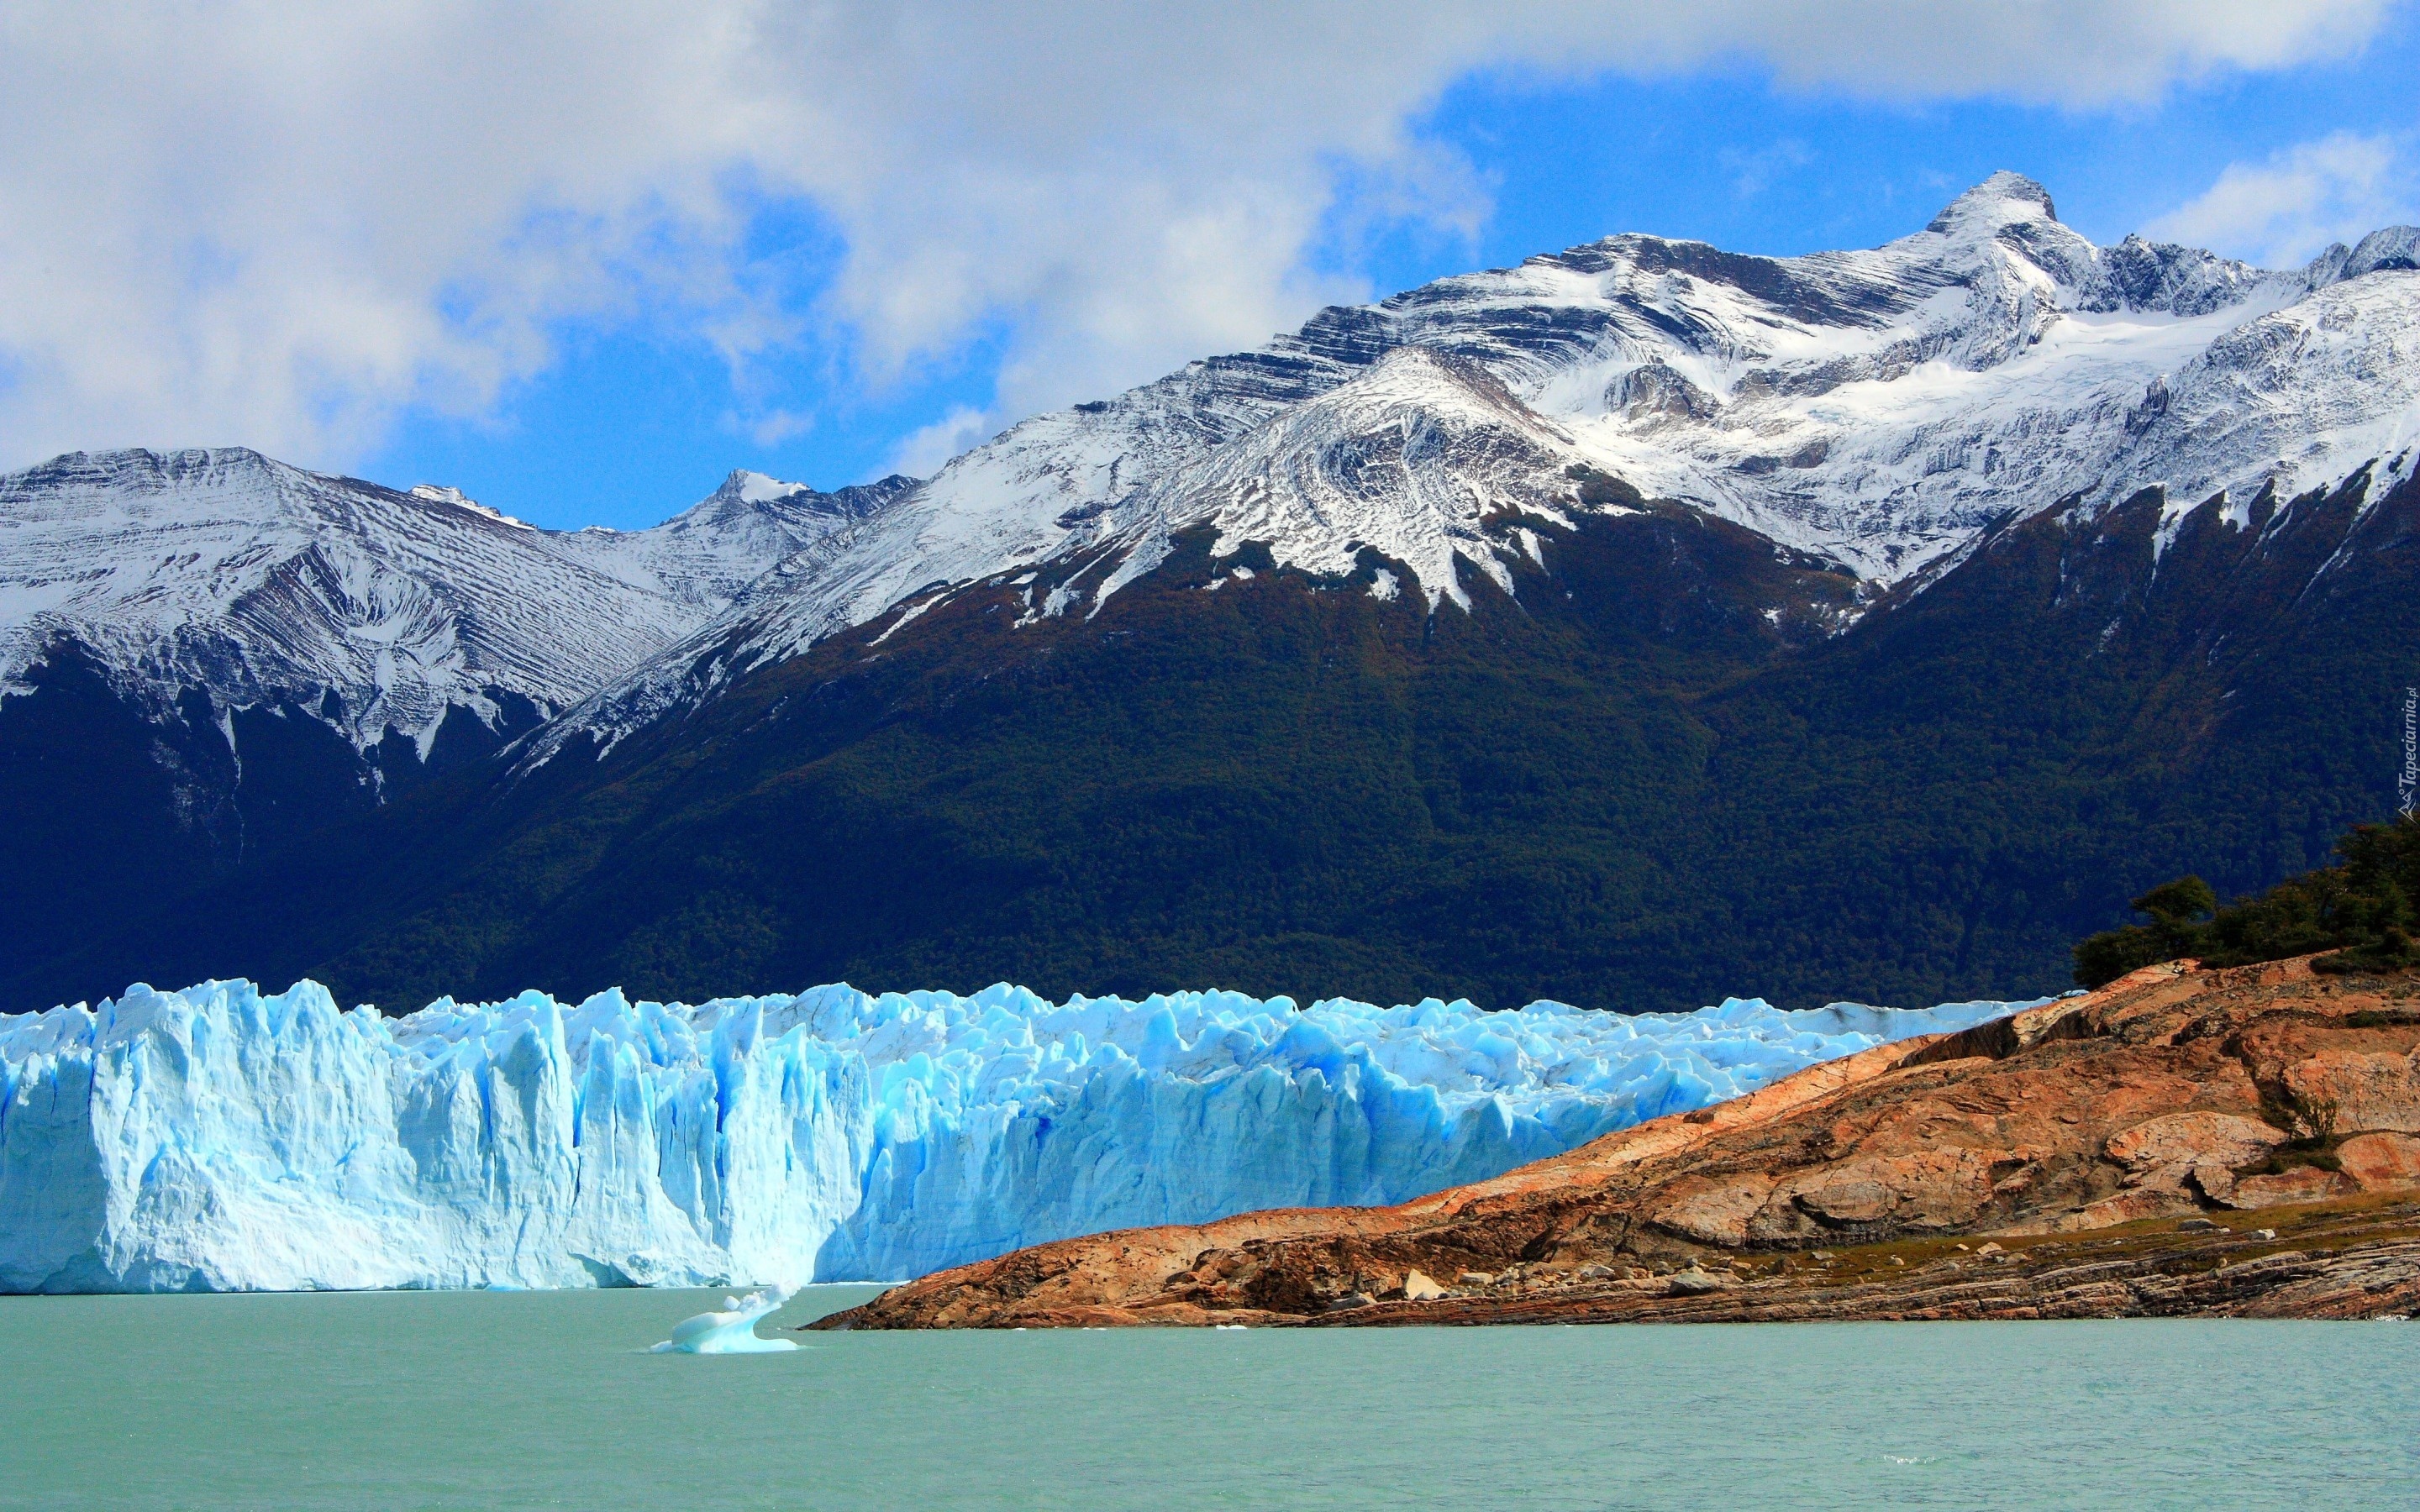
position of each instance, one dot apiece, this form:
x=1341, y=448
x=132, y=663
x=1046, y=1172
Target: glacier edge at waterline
x=219, y=1138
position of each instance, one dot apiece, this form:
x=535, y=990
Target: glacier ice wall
x=219, y=1138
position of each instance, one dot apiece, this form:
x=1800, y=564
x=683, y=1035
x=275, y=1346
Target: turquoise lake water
x=489, y=1400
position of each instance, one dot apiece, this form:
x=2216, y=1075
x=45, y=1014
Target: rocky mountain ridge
x=1884, y=410
x=254, y=583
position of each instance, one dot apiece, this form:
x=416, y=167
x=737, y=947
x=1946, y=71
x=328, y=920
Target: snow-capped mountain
x=708, y=555
x=256, y=585
x=1634, y=606
x=1882, y=409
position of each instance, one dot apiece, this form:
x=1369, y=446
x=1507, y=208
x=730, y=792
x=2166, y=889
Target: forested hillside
x=1634, y=783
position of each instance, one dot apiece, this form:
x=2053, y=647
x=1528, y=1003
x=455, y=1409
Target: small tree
x=2359, y=910
x=2178, y=911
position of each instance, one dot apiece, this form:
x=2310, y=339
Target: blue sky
x=584, y=261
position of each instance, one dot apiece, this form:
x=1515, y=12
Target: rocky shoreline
x=2326, y=1263
x=2179, y=1143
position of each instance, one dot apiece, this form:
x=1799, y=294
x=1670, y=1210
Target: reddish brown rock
x=2304, y=1183
x=2126, y=1208
x=2164, y=1151
x=2381, y=1161
x=1714, y=1211
x=2343, y=1091
x=2078, y=1134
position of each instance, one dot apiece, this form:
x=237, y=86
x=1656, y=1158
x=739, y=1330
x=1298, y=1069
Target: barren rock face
x=2180, y=1141
x=1716, y=1210
x=2188, y=1154
x=2304, y=1183
x=2171, y=1094
x=1419, y=1288
x=2381, y=1161
x=1941, y=1189
x=2344, y=1092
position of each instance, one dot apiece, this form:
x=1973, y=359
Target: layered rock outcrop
x=2180, y=1141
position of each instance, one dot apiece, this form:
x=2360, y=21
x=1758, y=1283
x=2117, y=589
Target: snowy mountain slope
x=1412, y=457
x=2299, y=399
x=255, y=583
x=709, y=554
x=1881, y=409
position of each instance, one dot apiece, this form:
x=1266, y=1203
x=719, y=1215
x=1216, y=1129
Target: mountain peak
x=740, y=496
x=757, y=489
x=2394, y=247
x=2389, y=249
x=2000, y=200
x=140, y=469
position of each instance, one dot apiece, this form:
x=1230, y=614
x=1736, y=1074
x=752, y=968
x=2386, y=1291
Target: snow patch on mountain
x=436, y=493
x=756, y=488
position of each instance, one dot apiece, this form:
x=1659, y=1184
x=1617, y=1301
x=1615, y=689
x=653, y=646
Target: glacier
x=221, y=1138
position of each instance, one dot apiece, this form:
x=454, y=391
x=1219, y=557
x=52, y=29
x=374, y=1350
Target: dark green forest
x=2359, y=912
x=1649, y=779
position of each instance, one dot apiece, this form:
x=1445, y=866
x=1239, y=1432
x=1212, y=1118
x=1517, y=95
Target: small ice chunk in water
x=732, y=1331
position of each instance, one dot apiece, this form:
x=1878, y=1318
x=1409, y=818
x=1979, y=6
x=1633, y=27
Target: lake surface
x=549, y=1399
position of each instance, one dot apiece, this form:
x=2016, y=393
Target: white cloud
x=921, y=452
x=282, y=224
x=2284, y=211
x=1752, y=172
x=771, y=427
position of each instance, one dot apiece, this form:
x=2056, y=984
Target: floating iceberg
x=732, y=1331
x=218, y=1138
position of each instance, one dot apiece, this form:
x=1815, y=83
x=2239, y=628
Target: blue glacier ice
x=732, y=1329
x=221, y=1138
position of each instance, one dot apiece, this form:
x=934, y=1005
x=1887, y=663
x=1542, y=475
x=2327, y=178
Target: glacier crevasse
x=222, y=1139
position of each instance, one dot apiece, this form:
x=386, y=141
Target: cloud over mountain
x=248, y=223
